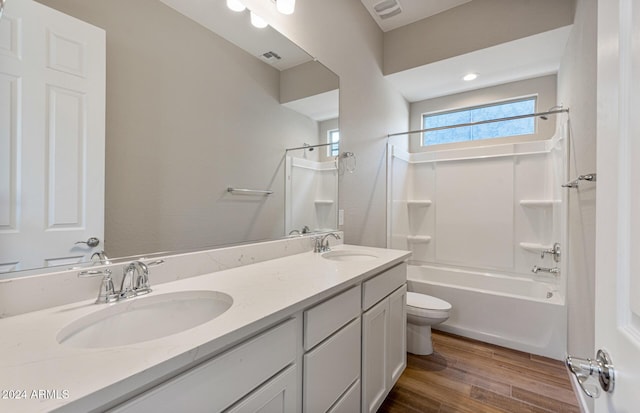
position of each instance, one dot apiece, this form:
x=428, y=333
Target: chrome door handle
x=91, y=242
x=2, y=2
x=585, y=368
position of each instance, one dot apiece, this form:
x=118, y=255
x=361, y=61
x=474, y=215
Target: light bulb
x=258, y=21
x=286, y=6
x=235, y=5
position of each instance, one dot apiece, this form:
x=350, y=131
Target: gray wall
x=577, y=90
x=307, y=79
x=544, y=87
x=471, y=26
x=188, y=113
x=342, y=35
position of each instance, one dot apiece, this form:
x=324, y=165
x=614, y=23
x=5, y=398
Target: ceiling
x=236, y=28
x=408, y=11
x=533, y=56
x=318, y=107
x=525, y=58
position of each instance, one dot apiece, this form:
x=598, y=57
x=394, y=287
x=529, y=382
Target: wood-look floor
x=468, y=376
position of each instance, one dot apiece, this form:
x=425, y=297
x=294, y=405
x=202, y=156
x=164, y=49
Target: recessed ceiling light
x=469, y=77
x=235, y=5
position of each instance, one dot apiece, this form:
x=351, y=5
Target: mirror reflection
x=196, y=100
x=311, y=190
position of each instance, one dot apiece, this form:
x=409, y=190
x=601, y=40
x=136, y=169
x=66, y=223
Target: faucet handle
x=317, y=243
x=141, y=282
x=107, y=293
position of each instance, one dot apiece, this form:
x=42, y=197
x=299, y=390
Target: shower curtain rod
x=480, y=122
x=310, y=146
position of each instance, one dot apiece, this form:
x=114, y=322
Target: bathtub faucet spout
x=554, y=270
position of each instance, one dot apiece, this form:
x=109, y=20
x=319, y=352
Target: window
x=501, y=129
x=333, y=137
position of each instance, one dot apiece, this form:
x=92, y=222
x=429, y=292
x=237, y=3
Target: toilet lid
x=426, y=301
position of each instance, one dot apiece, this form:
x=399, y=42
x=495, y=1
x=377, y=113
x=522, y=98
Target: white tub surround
x=477, y=220
x=490, y=208
x=265, y=295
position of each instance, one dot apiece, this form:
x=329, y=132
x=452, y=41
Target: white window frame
x=330, y=148
x=483, y=105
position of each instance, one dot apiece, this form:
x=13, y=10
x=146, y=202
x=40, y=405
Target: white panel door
x=52, y=136
x=618, y=201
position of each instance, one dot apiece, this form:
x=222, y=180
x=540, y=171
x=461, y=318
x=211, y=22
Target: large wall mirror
x=197, y=101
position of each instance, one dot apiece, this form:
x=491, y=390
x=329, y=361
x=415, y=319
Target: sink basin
x=348, y=255
x=145, y=318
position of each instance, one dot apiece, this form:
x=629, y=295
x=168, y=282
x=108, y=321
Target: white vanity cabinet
x=342, y=355
x=331, y=364
x=383, y=335
x=278, y=395
x=217, y=384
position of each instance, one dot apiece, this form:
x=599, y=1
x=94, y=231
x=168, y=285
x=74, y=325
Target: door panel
x=52, y=136
x=618, y=201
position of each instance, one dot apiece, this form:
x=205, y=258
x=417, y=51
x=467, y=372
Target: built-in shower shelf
x=535, y=247
x=419, y=202
x=418, y=239
x=539, y=203
x=323, y=202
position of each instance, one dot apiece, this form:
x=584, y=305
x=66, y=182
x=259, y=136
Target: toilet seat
x=422, y=305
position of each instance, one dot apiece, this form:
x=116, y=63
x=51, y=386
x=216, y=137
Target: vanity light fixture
x=469, y=77
x=236, y=5
x=286, y=6
x=258, y=21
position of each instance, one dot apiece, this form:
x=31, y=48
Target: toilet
x=423, y=311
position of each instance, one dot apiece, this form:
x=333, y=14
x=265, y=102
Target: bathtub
x=508, y=311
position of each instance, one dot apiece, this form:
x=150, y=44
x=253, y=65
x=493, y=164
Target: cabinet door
x=375, y=332
x=276, y=396
x=397, y=354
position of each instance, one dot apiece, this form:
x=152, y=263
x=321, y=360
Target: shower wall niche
x=311, y=195
x=492, y=208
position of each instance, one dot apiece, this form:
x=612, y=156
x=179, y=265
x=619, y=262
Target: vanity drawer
x=324, y=319
x=278, y=395
x=380, y=286
x=220, y=382
x=349, y=402
x=331, y=368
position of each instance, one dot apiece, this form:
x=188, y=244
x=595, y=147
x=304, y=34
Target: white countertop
x=81, y=379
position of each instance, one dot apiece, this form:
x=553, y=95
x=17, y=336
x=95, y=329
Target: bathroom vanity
x=311, y=332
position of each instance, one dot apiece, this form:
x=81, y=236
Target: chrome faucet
x=135, y=280
x=553, y=251
x=322, y=243
x=107, y=293
x=100, y=257
x=305, y=230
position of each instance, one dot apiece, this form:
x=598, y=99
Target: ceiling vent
x=387, y=8
x=271, y=55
